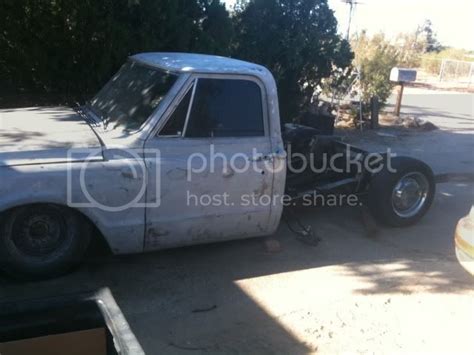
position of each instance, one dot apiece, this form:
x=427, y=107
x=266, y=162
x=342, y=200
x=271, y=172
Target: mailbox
x=401, y=75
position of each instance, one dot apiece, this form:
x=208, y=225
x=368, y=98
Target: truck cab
x=176, y=149
x=221, y=152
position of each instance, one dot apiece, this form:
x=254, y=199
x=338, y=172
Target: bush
x=431, y=62
x=374, y=58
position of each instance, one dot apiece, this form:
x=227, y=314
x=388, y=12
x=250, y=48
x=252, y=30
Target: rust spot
x=177, y=174
x=157, y=233
x=128, y=175
x=228, y=172
x=261, y=190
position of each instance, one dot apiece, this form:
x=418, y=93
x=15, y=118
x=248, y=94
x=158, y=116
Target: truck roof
x=201, y=63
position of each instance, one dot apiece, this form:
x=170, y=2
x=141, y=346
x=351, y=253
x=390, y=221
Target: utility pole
x=352, y=4
x=351, y=7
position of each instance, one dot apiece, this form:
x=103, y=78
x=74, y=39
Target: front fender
x=59, y=184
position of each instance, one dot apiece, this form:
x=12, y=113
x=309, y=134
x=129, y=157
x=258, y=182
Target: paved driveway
x=447, y=150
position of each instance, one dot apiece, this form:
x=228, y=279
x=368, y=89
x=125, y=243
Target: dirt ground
x=392, y=291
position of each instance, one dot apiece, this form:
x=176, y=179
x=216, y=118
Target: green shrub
x=374, y=58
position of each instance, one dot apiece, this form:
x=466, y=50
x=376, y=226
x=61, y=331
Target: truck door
x=215, y=170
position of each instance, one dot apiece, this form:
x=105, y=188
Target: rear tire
x=402, y=197
x=42, y=240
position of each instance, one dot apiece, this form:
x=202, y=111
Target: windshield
x=132, y=95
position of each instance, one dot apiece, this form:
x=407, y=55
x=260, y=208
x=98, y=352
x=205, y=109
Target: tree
x=217, y=28
x=69, y=48
x=427, y=34
x=297, y=40
x=61, y=46
x=411, y=47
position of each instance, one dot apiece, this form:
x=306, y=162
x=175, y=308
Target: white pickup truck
x=176, y=149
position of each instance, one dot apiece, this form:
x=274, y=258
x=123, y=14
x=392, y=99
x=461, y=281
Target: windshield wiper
x=106, y=122
x=89, y=120
x=94, y=115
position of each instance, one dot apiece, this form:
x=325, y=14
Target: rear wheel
x=401, y=197
x=42, y=240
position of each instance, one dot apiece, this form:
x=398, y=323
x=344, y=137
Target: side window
x=226, y=108
x=175, y=124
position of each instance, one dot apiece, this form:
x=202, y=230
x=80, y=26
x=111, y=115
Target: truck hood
x=42, y=135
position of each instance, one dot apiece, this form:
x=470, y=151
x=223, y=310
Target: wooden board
x=90, y=342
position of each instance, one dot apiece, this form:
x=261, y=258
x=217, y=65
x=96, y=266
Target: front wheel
x=401, y=196
x=42, y=240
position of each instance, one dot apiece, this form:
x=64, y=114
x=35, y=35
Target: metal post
x=399, y=100
x=441, y=71
x=361, y=117
x=456, y=71
x=351, y=4
x=374, y=112
x=471, y=73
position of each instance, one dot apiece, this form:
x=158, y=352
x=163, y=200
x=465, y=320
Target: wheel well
x=97, y=237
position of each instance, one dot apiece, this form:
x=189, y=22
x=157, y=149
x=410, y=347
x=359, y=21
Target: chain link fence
x=457, y=71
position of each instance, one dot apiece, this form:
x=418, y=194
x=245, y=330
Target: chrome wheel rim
x=410, y=194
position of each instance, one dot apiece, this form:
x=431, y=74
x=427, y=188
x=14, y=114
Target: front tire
x=401, y=197
x=42, y=240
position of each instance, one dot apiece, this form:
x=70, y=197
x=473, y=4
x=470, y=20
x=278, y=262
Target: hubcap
x=39, y=234
x=409, y=194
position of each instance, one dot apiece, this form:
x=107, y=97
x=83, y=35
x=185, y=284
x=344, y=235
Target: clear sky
x=453, y=20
